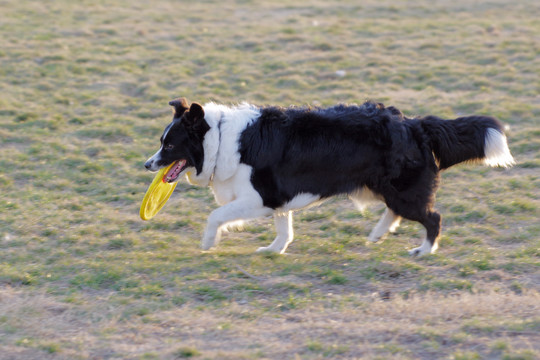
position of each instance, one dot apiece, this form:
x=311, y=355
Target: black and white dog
x=270, y=160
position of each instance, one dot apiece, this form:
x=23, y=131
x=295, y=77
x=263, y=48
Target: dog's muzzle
x=151, y=164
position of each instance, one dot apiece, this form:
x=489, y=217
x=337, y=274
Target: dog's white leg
x=240, y=209
x=285, y=234
x=424, y=249
x=389, y=222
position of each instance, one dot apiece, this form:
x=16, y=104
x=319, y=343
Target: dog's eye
x=169, y=147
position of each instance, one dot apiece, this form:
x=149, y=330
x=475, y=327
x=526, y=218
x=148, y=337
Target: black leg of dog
x=419, y=209
x=432, y=223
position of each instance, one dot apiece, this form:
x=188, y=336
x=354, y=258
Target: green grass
x=186, y=352
x=85, y=87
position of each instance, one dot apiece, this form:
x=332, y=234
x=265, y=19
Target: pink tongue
x=174, y=171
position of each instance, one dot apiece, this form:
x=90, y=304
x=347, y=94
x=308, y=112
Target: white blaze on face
x=151, y=163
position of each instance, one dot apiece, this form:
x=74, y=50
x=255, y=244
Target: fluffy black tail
x=471, y=138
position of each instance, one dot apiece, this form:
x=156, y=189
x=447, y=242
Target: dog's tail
x=470, y=138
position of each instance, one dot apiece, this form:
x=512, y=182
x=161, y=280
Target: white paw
x=210, y=239
x=374, y=239
x=207, y=244
x=423, y=249
x=205, y=247
x=270, y=249
x=419, y=251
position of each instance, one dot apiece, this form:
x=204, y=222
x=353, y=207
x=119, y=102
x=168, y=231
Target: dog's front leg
x=285, y=234
x=239, y=209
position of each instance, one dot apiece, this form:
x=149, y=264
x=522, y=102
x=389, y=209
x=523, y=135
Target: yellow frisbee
x=157, y=194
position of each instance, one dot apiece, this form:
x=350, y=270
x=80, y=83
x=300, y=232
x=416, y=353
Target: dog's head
x=182, y=141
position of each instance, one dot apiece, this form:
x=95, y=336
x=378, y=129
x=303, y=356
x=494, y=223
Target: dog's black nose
x=147, y=165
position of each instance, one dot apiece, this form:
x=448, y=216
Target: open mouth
x=175, y=171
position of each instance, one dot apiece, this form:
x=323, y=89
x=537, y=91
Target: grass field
x=84, y=89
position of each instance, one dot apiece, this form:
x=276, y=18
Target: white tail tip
x=496, y=149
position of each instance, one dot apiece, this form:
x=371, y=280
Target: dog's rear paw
x=416, y=252
x=422, y=250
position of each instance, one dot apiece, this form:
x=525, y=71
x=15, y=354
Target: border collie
x=262, y=161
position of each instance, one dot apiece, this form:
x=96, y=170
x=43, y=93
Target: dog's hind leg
x=432, y=223
x=388, y=222
x=422, y=212
x=239, y=209
x=285, y=234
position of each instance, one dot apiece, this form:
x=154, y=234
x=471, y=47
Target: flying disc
x=157, y=194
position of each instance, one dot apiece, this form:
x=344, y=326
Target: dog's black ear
x=194, y=119
x=180, y=107
x=196, y=112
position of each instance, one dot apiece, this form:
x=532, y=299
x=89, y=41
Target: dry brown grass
x=427, y=326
